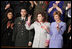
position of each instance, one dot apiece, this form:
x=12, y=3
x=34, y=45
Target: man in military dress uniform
x=21, y=36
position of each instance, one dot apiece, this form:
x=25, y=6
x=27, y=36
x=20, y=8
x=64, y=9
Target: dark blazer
x=21, y=36
x=6, y=34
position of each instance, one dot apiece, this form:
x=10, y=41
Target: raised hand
x=54, y=5
x=7, y=6
x=29, y=17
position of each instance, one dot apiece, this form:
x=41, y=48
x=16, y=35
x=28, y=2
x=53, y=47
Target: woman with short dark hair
x=41, y=27
x=7, y=28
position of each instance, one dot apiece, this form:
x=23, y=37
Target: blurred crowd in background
x=10, y=11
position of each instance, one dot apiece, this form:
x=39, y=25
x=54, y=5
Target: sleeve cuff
x=47, y=41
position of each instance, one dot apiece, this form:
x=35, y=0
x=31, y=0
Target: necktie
x=22, y=20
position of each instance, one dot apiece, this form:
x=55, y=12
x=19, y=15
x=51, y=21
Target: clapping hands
x=54, y=5
x=58, y=27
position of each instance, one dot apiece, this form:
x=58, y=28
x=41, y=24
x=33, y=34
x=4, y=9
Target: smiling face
x=10, y=15
x=23, y=12
x=40, y=17
x=56, y=17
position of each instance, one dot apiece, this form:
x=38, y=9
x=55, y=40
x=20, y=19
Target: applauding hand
x=45, y=27
x=8, y=24
x=58, y=27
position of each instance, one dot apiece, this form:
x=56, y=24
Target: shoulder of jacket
x=63, y=23
x=53, y=22
x=17, y=18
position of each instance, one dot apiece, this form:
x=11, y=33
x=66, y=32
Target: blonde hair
x=57, y=13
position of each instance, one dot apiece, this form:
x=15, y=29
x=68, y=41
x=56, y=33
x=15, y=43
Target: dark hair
x=5, y=15
x=24, y=8
x=43, y=15
x=9, y=10
x=57, y=13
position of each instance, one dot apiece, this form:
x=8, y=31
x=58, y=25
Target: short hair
x=43, y=15
x=24, y=8
x=9, y=10
x=57, y=13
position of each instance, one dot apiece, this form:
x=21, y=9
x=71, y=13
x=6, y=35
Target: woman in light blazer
x=41, y=27
x=56, y=31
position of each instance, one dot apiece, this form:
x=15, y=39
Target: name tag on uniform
x=19, y=22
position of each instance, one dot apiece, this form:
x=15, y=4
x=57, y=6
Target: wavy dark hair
x=5, y=15
x=43, y=15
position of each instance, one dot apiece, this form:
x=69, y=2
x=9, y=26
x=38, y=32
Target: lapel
x=23, y=22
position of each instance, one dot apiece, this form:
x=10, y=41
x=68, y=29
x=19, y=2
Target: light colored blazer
x=41, y=35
